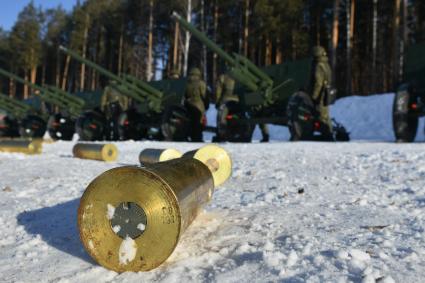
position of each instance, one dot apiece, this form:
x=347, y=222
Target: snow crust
x=128, y=251
x=292, y=212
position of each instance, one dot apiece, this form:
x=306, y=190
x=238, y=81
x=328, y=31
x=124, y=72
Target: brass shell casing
x=171, y=194
x=101, y=152
x=217, y=159
x=21, y=146
x=153, y=155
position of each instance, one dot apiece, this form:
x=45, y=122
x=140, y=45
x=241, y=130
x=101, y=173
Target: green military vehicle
x=150, y=115
x=409, y=101
x=269, y=95
x=61, y=125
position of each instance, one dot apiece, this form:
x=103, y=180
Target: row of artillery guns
x=267, y=95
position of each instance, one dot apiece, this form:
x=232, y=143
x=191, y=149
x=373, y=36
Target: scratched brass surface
x=21, y=146
x=217, y=159
x=101, y=152
x=171, y=193
x=153, y=155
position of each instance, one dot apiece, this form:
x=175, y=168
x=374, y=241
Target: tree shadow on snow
x=57, y=226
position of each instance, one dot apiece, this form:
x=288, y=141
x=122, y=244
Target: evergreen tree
x=25, y=41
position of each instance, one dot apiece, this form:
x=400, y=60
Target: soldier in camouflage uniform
x=320, y=78
x=224, y=93
x=196, y=103
x=113, y=103
x=174, y=75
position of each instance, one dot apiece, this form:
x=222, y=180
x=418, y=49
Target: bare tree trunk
x=396, y=43
x=268, y=55
x=260, y=52
x=84, y=50
x=294, y=45
x=318, y=38
x=12, y=88
x=57, y=69
x=204, y=48
x=176, y=47
x=120, y=51
x=187, y=38
x=335, y=33
x=65, y=72
x=33, y=74
x=26, y=86
x=374, y=43
x=350, y=11
x=246, y=28
x=215, y=57
x=149, y=73
x=404, y=39
x=43, y=73
x=278, y=58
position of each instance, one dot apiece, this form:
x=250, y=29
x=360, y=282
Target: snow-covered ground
x=292, y=212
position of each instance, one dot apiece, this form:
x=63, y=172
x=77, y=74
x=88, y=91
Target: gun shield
x=102, y=152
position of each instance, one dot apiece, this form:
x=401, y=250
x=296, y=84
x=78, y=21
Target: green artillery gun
x=145, y=119
x=17, y=111
x=409, y=101
x=266, y=95
x=60, y=125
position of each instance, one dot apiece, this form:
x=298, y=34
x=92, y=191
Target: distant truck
x=409, y=101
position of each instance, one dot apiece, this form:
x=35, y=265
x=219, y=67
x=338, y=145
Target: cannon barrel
x=53, y=95
x=242, y=69
x=89, y=63
x=14, y=107
x=128, y=86
x=205, y=40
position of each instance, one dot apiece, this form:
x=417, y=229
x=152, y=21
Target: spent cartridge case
x=131, y=218
x=21, y=146
x=154, y=155
x=216, y=159
x=101, y=152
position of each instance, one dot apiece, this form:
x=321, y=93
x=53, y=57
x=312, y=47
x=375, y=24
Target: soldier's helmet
x=195, y=72
x=175, y=74
x=319, y=51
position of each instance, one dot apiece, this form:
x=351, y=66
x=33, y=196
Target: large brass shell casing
x=217, y=160
x=101, y=152
x=153, y=155
x=21, y=146
x=131, y=218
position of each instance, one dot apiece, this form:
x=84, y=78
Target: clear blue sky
x=9, y=9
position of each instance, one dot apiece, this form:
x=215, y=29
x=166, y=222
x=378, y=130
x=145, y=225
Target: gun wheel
x=61, y=127
x=300, y=117
x=405, y=121
x=32, y=127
